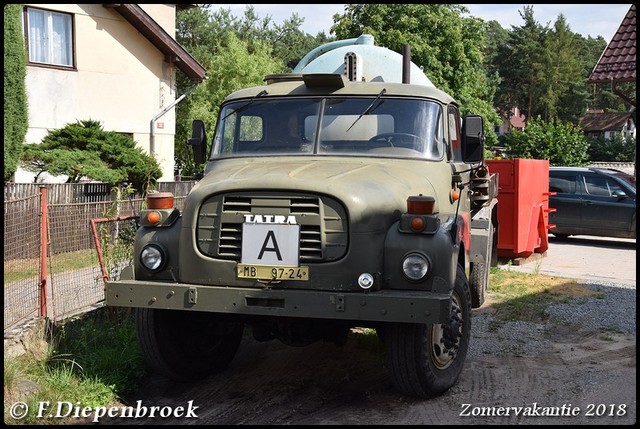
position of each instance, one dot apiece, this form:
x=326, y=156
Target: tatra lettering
x=280, y=219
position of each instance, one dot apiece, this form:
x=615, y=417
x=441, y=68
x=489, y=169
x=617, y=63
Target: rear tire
x=479, y=280
x=187, y=345
x=427, y=359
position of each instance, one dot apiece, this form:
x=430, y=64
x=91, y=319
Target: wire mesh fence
x=84, y=242
x=76, y=281
x=21, y=263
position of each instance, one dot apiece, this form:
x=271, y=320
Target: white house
x=114, y=63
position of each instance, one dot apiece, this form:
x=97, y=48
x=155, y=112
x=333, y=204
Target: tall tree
x=15, y=93
x=520, y=64
x=543, y=71
x=497, y=46
x=561, y=69
x=448, y=46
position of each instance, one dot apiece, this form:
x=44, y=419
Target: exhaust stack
x=406, y=64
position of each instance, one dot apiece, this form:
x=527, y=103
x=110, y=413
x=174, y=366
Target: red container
x=523, y=206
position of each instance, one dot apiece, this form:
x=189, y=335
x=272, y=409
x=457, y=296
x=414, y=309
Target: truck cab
x=348, y=193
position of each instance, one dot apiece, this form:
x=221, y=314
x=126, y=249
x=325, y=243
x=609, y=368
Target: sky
x=586, y=19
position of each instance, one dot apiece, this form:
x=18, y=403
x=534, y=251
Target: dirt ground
x=554, y=374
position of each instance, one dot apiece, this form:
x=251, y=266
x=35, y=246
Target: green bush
x=616, y=149
x=562, y=143
x=84, y=149
x=15, y=93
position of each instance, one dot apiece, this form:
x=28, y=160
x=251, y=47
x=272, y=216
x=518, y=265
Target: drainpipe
x=152, y=135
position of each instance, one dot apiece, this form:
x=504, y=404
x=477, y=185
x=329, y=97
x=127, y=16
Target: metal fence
x=51, y=264
x=66, y=193
x=21, y=274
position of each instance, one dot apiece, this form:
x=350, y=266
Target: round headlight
x=152, y=257
x=415, y=266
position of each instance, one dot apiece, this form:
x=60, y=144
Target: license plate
x=265, y=272
x=271, y=245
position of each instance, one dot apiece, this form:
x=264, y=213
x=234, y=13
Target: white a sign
x=270, y=244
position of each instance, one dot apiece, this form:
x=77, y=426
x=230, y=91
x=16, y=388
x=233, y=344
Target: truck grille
x=322, y=220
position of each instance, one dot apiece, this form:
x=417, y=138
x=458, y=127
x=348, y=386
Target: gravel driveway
x=577, y=367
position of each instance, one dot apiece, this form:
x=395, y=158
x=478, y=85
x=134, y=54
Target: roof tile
x=618, y=61
x=613, y=121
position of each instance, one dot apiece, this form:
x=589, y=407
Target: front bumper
x=374, y=306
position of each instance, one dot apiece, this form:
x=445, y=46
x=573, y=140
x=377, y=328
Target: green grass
x=21, y=269
x=92, y=361
x=524, y=296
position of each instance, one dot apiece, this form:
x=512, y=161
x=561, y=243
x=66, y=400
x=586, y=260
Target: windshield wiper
x=369, y=108
x=245, y=105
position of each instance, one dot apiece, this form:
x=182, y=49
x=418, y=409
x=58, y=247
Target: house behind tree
x=114, y=63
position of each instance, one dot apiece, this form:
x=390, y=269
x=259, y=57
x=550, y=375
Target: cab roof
x=322, y=84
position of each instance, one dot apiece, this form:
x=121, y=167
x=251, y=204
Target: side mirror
x=198, y=141
x=619, y=195
x=472, y=139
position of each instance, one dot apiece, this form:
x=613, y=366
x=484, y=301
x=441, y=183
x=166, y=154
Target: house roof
x=618, y=61
x=614, y=121
x=518, y=121
x=150, y=29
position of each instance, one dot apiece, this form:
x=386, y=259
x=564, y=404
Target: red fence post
x=43, y=251
x=96, y=240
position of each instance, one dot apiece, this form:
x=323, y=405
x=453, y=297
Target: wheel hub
x=446, y=338
x=452, y=332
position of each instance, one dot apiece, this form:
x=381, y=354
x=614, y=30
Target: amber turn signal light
x=153, y=217
x=417, y=223
x=420, y=204
x=160, y=200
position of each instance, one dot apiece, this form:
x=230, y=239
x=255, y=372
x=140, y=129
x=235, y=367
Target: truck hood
x=373, y=191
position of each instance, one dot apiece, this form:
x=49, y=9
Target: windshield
x=363, y=126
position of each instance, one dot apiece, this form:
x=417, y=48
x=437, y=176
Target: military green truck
x=347, y=193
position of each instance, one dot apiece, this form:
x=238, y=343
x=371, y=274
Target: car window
x=600, y=186
x=614, y=186
x=565, y=184
x=596, y=186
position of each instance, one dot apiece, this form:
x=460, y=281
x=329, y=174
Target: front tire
x=427, y=359
x=187, y=345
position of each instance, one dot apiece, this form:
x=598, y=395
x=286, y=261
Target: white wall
x=121, y=80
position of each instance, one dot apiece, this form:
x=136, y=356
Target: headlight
x=415, y=266
x=152, y=257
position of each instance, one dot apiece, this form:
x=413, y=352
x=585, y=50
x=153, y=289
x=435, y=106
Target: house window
x=50, y=38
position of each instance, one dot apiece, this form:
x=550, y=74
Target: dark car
x=592, y=201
